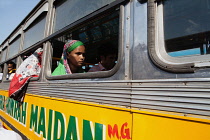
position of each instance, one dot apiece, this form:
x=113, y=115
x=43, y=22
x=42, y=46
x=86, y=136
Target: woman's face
x=76, y=57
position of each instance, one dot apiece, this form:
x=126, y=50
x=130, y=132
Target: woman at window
x=72, y=58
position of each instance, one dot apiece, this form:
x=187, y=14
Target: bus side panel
x=152, y=127
x=51, y=118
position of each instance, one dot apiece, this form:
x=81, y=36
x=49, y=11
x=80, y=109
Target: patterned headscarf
x=63, y=67
x=30, y=67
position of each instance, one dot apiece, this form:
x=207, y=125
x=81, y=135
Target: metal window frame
x=3, y=48
x=18, y=37
x=42, y=15
x=156, y=46
x=100, y=74
x=44, y=8
x=18, y=32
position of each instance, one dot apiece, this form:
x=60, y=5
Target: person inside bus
x=72, y=58
x=8, y=134
x=107, y=57
x=11, y=70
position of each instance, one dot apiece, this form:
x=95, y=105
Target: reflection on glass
x=14, y=47
x=3, y=57
x=35, y=32
x=186, y=30
x=72, y=10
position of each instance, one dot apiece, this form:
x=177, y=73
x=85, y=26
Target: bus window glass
x=69, y=11
x=14, y=47
x=99, y=33
x=1, y=71
x=3, y=54
x=35, y=32
x=186, y=30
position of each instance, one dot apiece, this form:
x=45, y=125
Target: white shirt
x=9, y=135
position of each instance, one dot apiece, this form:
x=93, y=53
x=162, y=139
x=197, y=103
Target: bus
x=158, y=89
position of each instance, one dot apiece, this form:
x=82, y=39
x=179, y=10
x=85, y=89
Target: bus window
x=14, y=47
x=35, y=31
x=179, y=39
x=29, y=52
x=1, y=71
x=186, y=30
x=77, y=9
x=100, y=33
x=30, y=64
x=26, y=55
x=3, y=54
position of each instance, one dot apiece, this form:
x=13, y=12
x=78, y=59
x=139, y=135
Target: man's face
x=109, y=61
x=10, y=67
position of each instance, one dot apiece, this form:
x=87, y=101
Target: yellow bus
x=159, y=88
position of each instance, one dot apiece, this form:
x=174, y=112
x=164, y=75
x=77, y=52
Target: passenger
x=72, y=58
x=11, y=70
x=30, y=67
x=8, y=134
x=107, y=57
